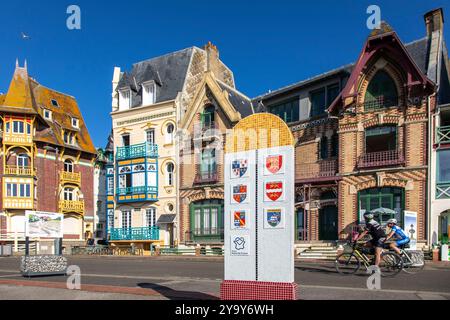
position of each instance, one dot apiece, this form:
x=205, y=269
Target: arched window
x=169, y=133
x=169, y=173
x=69, y=194
x=207, y=117
x=68, y=165
x=381, y=92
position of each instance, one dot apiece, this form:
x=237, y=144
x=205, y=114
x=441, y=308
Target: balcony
x=19, y=171
x=381, y=159
x=141, y=193
x=320, y=170
x=206, y=177
x=137, y=151
x=70, y=178
x=205, y=131
x=443, y=134
x=17, y=138
x=66, y=206
x=381, y=102
x=443, y=191
x=145, y=233
x=18, y=203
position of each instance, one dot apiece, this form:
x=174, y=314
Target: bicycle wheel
x=416, y=264
x=347, y=263
x=390, y=264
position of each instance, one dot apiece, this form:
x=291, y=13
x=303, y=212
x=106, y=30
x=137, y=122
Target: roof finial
x=17, y=62
x=25, y=65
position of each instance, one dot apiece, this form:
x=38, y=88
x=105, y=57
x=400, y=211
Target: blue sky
x=267, y=44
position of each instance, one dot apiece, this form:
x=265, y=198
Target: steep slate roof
x=417, y=49
x=168, y=71
x=240, y=102
x=27, y=96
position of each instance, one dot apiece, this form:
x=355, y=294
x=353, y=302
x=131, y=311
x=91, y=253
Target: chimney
x=212, y=57
x=434, y=21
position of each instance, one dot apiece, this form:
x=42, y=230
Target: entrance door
x=328, y=223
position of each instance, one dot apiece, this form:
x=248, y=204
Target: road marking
x=382, y=290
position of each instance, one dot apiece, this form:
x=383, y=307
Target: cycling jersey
x=399, y=233
x=375, y=229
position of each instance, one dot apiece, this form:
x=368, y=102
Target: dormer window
x=69, y=137
x=75, y=123
x=148, y=93
x=47, y=114
x=124, y=99
x=55, y=103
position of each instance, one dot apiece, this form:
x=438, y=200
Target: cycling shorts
x=402, y=242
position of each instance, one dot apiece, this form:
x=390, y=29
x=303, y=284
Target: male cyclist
x=377, y=233
x=400, y=235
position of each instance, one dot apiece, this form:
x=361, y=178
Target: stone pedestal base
x=257, y=290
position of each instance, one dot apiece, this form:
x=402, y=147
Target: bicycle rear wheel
x=390, y=264
x=347, y=263
x=416, y=264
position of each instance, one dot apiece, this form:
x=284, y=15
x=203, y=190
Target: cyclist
x=399, y=234
x=377, y=233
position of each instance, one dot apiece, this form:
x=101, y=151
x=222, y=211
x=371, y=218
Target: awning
x=166, y=218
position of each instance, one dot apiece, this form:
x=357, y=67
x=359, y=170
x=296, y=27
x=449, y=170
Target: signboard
x=40, y=224
x=259, y=202
x=410, y=227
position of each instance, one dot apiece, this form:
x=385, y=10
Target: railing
x=136, y=190
x=70, y=177
x=380, y=103
x=206, y=177
x=321, y=169
x=19, y=171
x=137, y=151
x=443, y=134
x=145, y=233
x=18, y=202
x=71, y=206
x=381, y=159
x=17, y=138
x=443, y=191
x=206, y=130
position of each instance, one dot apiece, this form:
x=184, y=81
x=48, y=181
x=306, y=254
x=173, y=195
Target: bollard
x=435, y=255
x=158, y=250
x=197, y=250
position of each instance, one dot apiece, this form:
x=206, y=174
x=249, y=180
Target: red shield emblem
x=239, y=193
x=274, y=190
x=274, y=163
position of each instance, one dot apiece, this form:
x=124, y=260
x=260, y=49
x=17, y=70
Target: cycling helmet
x=368, y=216
x=394, y=221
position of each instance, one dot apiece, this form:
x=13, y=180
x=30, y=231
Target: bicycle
x=348, y=263
x=413, y=261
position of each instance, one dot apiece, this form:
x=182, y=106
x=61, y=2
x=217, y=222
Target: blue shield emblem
x=273, y=217
x=239, y=168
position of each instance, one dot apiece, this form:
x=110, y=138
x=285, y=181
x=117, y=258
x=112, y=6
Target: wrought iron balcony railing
x=136, y=190
x=66, y=206
x=443, y=190
x=443, y=134
x=380, y=103
x=381, y=159
x=144, y=233
x=137, y=151
x=206, y=177
x=70, y=177
x=206, y=130
x=320, y=169
x=19, y=171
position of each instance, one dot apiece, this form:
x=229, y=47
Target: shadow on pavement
x=328, y=269
x=177, y=294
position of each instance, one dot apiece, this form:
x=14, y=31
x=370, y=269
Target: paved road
x=176, y=278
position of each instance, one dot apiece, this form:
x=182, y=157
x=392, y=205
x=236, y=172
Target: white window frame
x=47, y=114
x=169, y=135
x=148, y=93
x=125, y=217
x=124, y=99
x=20, y=158
x=77, y=123
x=150, y=133
x=150, y=217
x=170, y=175
x=69, y=194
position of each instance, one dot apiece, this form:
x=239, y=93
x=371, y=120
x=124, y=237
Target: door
x=328, y=223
